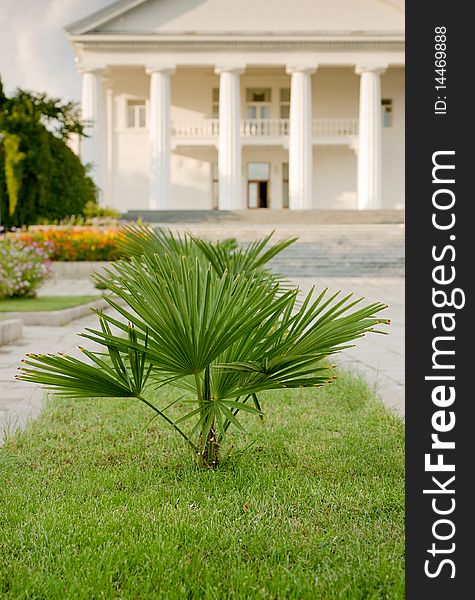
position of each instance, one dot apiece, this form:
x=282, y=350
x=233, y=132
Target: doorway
x=258, y=179
x=257, y=194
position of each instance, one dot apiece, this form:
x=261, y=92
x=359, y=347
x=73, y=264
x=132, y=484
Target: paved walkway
x=379, y=358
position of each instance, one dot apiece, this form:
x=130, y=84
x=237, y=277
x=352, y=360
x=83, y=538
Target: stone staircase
x=267, y=217
x=322, y=250
x=345, y=251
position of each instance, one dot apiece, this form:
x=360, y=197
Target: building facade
x=202, y=104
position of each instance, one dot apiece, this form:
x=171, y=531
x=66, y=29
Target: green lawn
x=96, y=502
x=43, y=303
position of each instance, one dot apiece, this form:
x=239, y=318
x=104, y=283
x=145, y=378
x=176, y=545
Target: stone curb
x=10, y=329
x=56, y=318
x=77, y=269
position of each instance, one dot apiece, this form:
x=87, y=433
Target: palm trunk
x=209, y=456
x=208, y=453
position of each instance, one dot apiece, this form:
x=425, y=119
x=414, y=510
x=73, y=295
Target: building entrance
x=258, y=180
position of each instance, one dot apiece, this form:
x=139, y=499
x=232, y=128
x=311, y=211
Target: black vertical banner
x=440, y=331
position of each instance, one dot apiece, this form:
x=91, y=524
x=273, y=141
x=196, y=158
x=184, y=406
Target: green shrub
x=92, y=210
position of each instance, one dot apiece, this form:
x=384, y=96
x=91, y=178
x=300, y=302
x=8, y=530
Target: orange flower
x=79, y=244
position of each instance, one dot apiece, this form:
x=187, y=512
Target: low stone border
x=10, y=330
x=55, y=317
x=77, y=269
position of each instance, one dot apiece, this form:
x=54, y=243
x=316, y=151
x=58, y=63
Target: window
x=258, y=171
x=284, y=103
x=285, y=185
x=136, y=116
x=258, y=103
x=258, y=95
x=215, y=104
x=387, y=105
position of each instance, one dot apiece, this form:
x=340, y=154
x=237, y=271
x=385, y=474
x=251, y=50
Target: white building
x=200, y=104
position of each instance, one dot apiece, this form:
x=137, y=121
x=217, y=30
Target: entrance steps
x=265, y=216
x=325, y=248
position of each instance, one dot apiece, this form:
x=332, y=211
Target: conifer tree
x=40, y=176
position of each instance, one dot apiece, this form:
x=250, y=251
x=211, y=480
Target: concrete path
x=19, y=400
x=69, y=287
x=379, y=358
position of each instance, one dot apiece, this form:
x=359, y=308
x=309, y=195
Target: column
x=369, y=142
x=93, y=117
x=160, y=144
x=109, y=147
x=229, y=144
x=300, y=138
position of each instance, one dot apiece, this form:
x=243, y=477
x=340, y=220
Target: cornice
x=237, y=45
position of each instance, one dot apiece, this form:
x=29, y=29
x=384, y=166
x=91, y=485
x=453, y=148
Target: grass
x=43, y=303
x=96, y=502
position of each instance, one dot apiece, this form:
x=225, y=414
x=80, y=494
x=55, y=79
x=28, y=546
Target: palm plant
x=140, y=240
x=220, y=338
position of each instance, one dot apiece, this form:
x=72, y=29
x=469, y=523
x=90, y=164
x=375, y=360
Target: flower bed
x=75, y=243
x=24, y=265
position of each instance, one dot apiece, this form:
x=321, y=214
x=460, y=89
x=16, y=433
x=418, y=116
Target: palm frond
x=143, y=240
x=190, y=313
x=245, y=260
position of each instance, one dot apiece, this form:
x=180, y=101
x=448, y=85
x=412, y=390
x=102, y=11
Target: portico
x=192, y=123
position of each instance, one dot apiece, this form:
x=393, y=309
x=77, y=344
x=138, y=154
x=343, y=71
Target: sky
x=34, y=51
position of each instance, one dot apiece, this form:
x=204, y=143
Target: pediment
x=244, y=17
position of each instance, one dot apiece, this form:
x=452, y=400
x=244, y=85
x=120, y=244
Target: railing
x=203, y=128
x=334, y=127
x=262, y=128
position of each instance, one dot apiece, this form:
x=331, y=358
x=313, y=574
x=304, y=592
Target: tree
x=40, y=176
